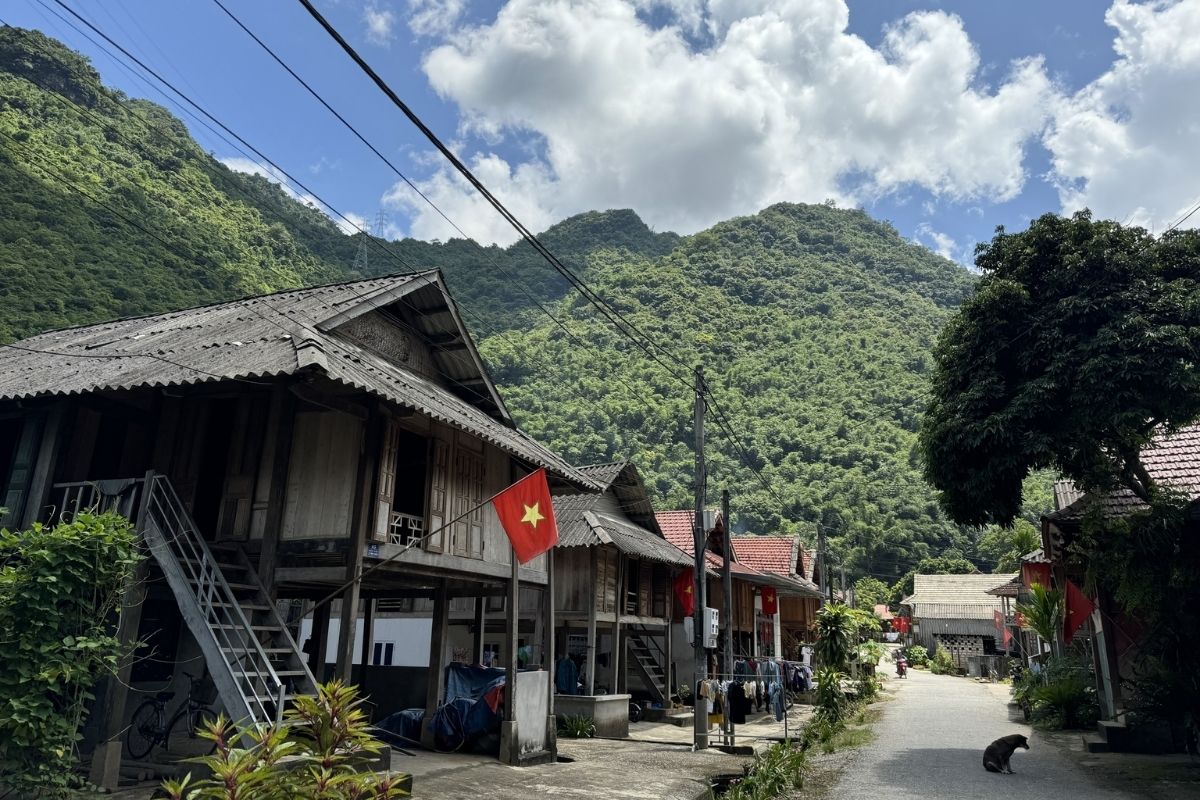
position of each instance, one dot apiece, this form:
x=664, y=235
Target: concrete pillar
x=480, y=628
x=318, y=642
x=591, y=629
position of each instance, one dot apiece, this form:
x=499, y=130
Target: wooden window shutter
x=439, y=484
x=386, y=494
x=467, y=534
x=21, y=474
x=645, y=581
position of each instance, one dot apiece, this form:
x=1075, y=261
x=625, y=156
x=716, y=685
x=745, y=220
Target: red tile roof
x=1172, y=460
x=677, y=528
x=766, y=553
x=809, y=557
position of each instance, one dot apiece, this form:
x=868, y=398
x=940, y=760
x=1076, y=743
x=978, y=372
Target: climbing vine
x=60, y=590
x=1149, y=563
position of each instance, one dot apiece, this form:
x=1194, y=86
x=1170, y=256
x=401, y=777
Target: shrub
x=942, y=662
x=870, y=652
x=1068, y=702
x=322, y=750
x=837, y=632
x=918, y=656
x=832, y=705
x=774, y=773
x=577, y=727
x=60, y=587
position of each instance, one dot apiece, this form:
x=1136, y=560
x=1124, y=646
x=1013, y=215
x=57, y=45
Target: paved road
x=930, y=744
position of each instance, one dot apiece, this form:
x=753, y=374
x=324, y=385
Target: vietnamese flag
x=685, y=592
x=1079, y=608
x=527, y=515
x=770, y=601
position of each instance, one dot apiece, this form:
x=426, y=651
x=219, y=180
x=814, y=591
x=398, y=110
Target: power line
x=631, y=331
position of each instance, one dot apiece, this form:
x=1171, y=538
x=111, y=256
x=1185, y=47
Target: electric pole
x=821, y=565
x=727, y=586
x=699, y=704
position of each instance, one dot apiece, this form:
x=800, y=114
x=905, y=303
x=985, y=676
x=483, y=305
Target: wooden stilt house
x=614, y=577
x=270, y=450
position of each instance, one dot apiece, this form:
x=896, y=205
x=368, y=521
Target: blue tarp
x=471, y=681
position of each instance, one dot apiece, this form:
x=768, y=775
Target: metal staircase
x=647, y=661
x=254, y=662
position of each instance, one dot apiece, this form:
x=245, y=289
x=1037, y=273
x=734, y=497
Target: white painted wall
x=410, y=634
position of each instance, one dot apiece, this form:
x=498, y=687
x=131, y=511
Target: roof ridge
x=231, y=302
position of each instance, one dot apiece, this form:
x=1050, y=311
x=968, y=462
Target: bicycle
x=150, y=726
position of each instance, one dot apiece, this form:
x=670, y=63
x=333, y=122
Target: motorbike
x=902, y=668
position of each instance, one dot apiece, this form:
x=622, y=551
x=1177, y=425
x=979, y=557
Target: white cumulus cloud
x=1125, y=145
x=380, y=21
x=781, y=102
x=434, y=17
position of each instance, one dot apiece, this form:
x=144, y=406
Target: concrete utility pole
x=699, y=705
x=821, y=566
x=727, y=586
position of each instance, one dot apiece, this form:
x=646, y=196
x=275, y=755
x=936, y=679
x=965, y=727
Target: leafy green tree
x=869, y=592
x=1003, y=547
x=1043, y=614
x=1079, y=344
x=837, y=636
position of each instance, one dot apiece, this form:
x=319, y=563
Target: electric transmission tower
x=362, y=259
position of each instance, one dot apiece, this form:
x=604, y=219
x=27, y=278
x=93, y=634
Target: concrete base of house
x=106, y=765
x=610, y=712
x=510, y=747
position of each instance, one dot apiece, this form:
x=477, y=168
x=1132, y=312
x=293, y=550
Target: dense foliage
x=815, y=324
x=1079, y=345
x=60, y=587
x=322, y=751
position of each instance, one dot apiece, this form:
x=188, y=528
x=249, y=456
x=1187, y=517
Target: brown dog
x=995, y=758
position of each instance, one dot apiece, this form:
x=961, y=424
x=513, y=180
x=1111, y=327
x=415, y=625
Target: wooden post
x=591, y=629
x=318, y=642
x=282, y=423
x=551, y=721
x=511, y=631
x=668, y=635
x=368, y=642
x=510, y=747
x=437, y=654
x=106, y=760
x=480, y=627
x=42, y=480
x=618, y=679
x=359, y=527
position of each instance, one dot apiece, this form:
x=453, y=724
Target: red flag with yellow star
x=525, y=512
x=685, y=594
x=1079, y=608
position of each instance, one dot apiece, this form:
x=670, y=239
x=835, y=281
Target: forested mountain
x=814, y=324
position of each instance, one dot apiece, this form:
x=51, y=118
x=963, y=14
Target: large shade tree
x=1081, y=342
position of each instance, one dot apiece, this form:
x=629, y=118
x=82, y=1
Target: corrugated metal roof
x=626, y=484
x=637, y=541
x=270, y=336
x=1173, y=460
x=956, y=596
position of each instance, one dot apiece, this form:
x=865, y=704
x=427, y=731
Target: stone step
x=1095, y=743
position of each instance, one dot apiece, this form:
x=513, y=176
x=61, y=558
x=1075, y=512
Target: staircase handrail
x=162, y=496
x=274, y=610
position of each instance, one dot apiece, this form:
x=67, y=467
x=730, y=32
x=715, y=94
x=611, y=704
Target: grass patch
x=848, y=738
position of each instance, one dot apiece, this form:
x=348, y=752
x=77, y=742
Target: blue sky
x=946, y=118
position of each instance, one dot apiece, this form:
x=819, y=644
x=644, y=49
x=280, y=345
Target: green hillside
x=814, y=324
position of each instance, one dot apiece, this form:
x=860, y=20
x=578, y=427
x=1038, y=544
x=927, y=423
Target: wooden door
x=245, y=450
x=21, y=475
x=386, y=494
x=439, y=485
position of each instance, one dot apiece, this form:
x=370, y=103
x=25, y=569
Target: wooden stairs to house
x=647, y=661
x=254, y=662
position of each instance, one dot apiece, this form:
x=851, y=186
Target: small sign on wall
x=373, y=551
